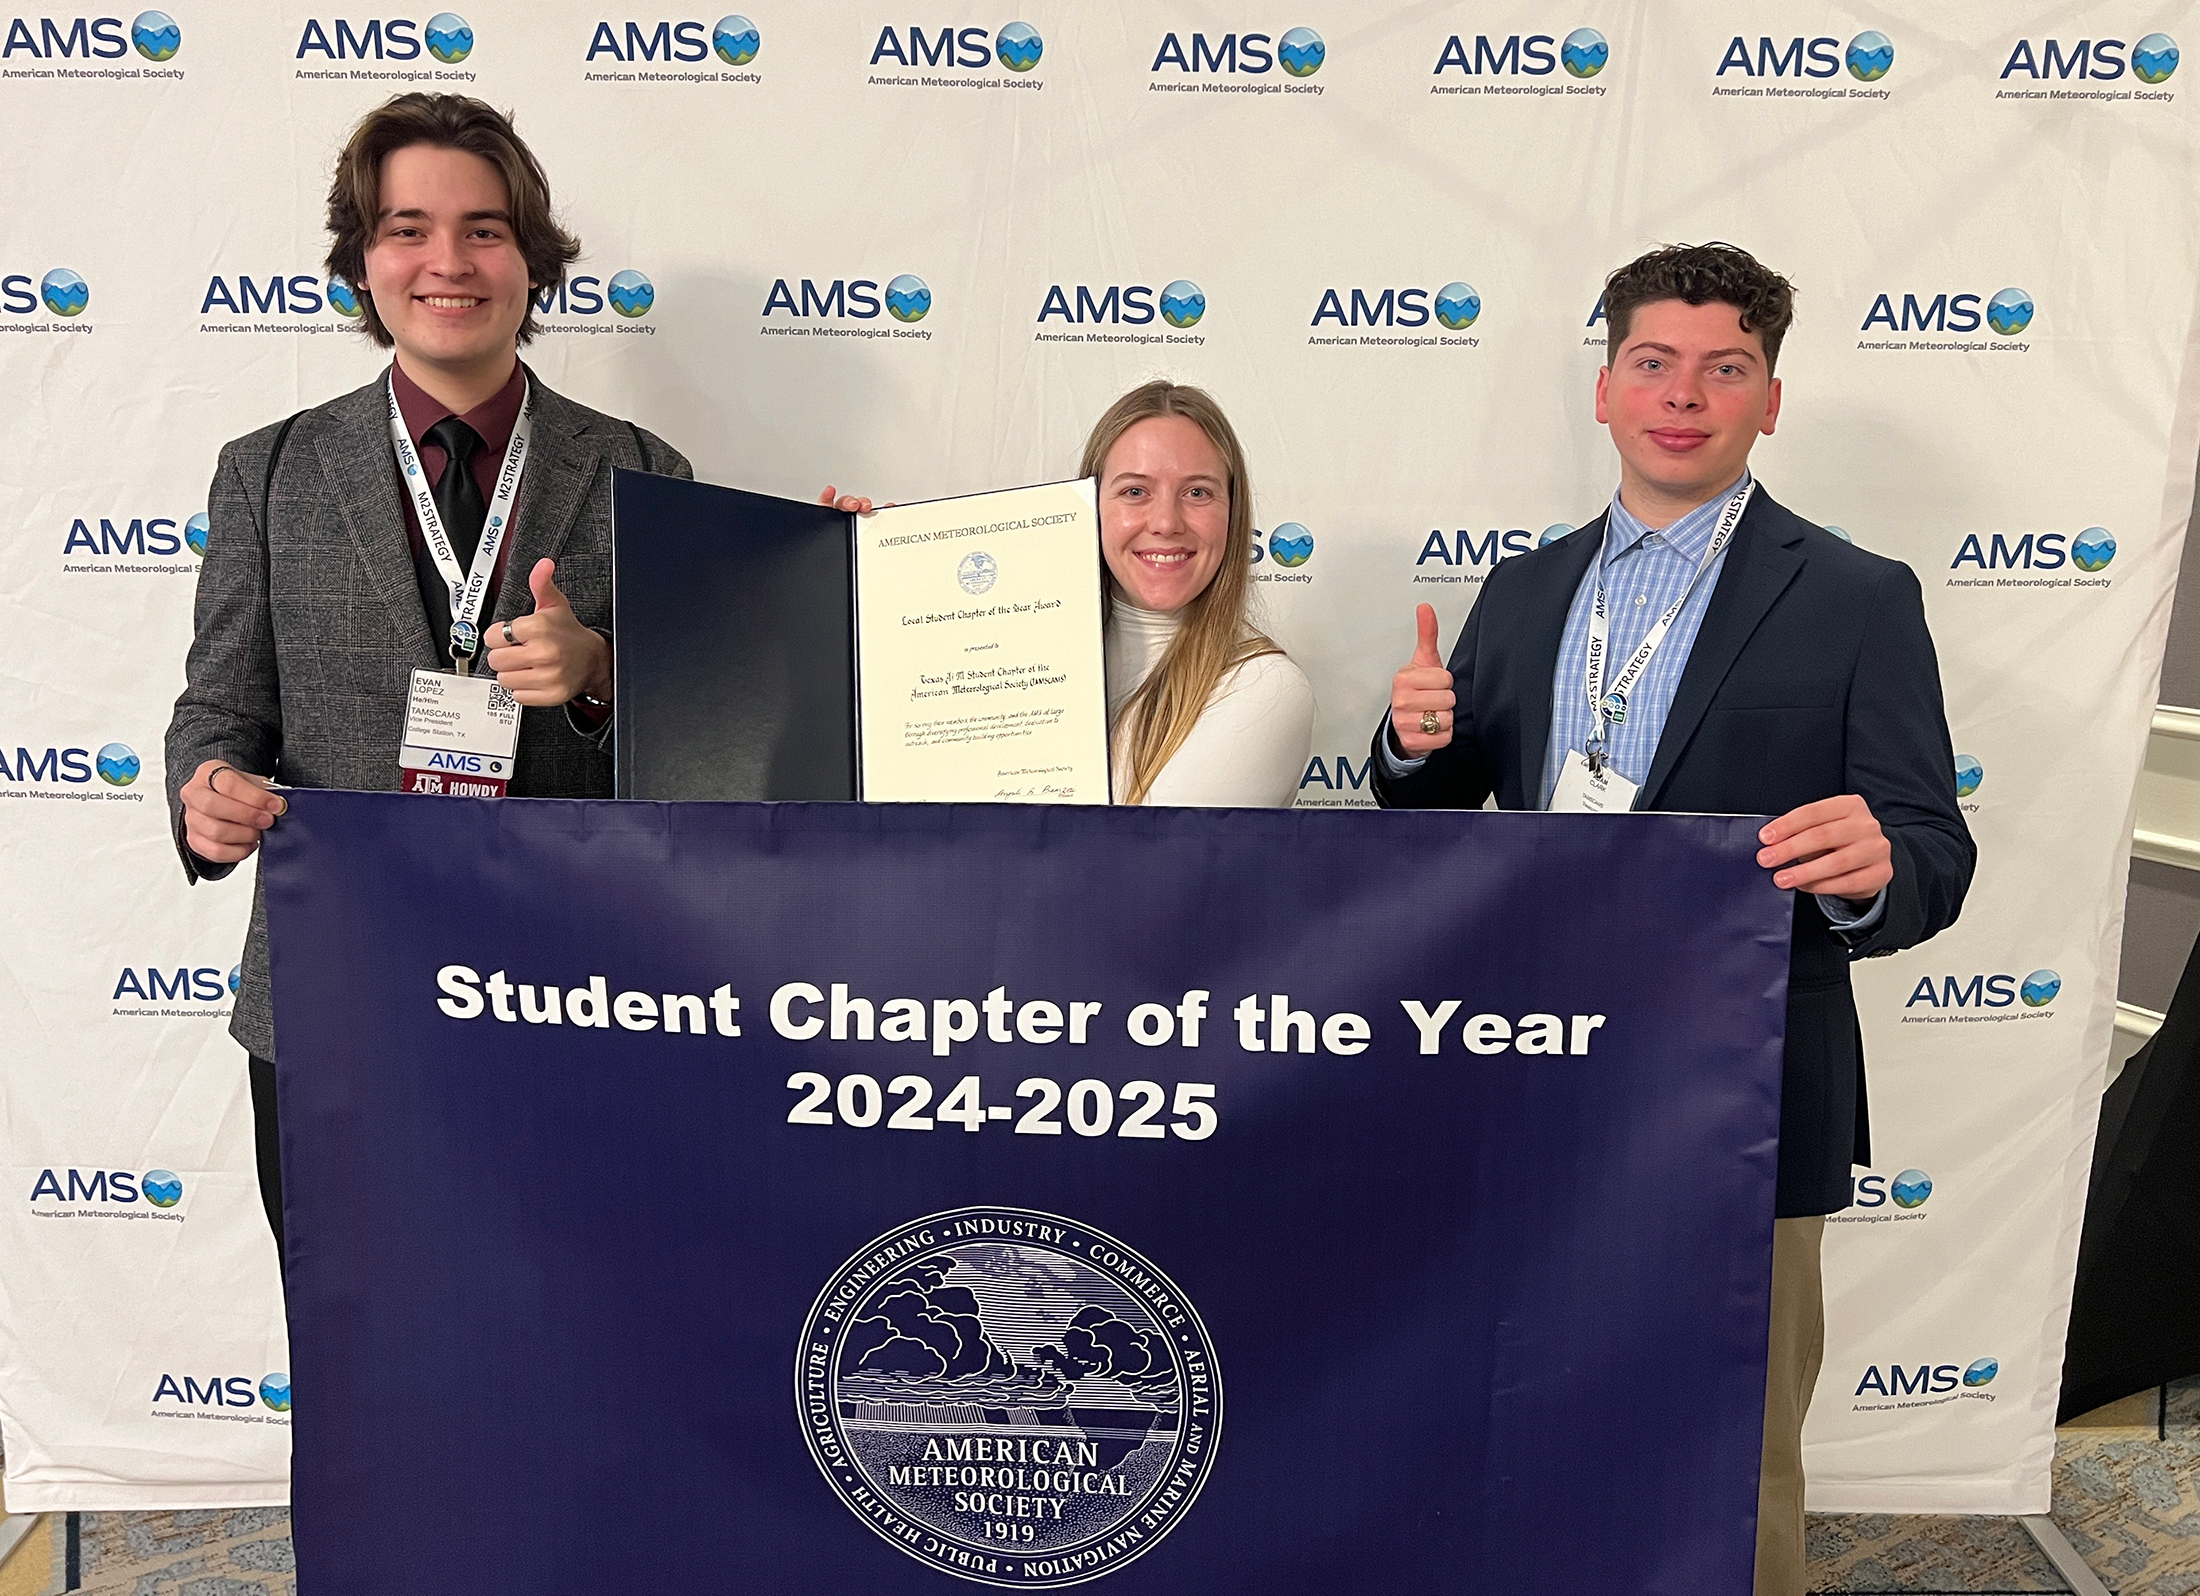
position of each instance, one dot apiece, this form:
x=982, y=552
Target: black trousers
x=268, y=1145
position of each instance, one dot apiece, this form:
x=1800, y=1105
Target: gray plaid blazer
x=309, y=623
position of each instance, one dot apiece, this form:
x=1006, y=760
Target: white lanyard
x=467, y=587
x=1611, y=706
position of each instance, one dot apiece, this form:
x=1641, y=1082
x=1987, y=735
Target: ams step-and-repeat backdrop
x=915, y=251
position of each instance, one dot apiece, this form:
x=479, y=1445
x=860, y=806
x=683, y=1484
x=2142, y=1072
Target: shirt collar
x=1690, y=535
x=493, y=418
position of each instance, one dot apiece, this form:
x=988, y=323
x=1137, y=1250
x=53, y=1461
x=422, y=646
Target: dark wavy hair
x=1701, y=274
x=452, y=122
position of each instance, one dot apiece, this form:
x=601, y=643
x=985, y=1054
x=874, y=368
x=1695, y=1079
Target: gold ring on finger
x=1430, y=725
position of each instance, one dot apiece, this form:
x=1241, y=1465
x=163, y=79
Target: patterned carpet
x=2127, y=1493
x=242, y=1552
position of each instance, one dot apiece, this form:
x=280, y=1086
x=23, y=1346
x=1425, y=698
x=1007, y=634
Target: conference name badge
x=1009, y=1396
x=1583, y=790
x=460, y=734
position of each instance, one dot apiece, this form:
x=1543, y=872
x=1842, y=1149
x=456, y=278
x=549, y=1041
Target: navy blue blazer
x=1813, y=675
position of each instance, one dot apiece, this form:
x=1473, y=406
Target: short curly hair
x=1701, y=274
x=447, y=121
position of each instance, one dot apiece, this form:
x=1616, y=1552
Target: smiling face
x=1164, y=512
x=1687, y=395
x=447, y=276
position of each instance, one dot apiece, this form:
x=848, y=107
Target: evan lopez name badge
x=460, y=732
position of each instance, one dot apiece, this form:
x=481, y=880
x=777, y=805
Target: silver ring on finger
x=509, y=640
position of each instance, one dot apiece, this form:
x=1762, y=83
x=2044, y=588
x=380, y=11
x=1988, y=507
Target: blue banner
x=842, y=1198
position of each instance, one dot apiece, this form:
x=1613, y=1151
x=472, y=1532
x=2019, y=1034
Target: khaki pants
x=1798, y=1344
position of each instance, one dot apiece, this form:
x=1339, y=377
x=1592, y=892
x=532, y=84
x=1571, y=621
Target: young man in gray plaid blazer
x=319, y=596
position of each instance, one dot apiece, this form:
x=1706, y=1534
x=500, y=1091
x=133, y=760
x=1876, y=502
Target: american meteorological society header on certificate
x=947, y=533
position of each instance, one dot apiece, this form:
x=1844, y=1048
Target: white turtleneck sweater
x=1250, y=746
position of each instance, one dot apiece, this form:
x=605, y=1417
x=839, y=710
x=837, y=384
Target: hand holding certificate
x=981, y=675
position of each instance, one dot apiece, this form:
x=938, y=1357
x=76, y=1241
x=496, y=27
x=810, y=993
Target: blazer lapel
x=1539, y=614
x=356, y=460
x=1759, y=567
x=560, y=466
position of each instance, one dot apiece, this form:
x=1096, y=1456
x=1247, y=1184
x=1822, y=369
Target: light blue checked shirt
x=1644, y=572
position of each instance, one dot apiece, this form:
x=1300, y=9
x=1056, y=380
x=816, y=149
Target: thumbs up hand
x=1420, y=691
x=548, y=658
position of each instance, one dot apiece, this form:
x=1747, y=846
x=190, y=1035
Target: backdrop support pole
x=2052, y=1541
x=13, y=1528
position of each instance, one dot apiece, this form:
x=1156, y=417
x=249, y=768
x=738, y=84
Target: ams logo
x=1456, y=307
x=225, y=1391
x=159, y=1187
x=71, y=765
x=98, y=38
x=301, y=294
x=445, y=37
x=1942, y=313
x=1952, y=992
x=906, y=298
x=1017, y=47
x=1998, y=991
x=1300, y=52
x=1337, y=774
x=2090, y=550
x=2152, y=60
x=206, y=984
x=1465, y=549
x=684, y=42
x=1927, y=1379
x=841, y=299
x=1125, y=304
x=143, y=535
x=218, y=1391
x=1534, y=55
x=1779, y=58
x=1895, y=1380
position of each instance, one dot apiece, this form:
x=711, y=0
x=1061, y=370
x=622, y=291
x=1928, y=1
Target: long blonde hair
x=1215, y=637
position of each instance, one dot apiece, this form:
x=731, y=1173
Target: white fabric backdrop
x=1983, y=159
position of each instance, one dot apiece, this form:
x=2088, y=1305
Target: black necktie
x=459, y=506
x=458, y=498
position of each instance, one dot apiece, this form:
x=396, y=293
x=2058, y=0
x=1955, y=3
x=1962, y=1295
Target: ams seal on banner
x=1009, y=1396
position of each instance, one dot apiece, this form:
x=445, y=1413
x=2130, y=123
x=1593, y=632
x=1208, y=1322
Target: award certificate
x=981, y=675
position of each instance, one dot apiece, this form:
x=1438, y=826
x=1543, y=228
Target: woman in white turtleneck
x=1204, y=710
x=1246, y=751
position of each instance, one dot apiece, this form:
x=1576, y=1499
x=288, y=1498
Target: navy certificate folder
x=734, y=633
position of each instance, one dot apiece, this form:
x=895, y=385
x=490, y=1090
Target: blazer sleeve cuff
x=591, y=723
x=196, y=869
x=1395, y=765
x=1847, y=923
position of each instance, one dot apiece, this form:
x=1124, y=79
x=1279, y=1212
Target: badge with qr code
x=460, y=735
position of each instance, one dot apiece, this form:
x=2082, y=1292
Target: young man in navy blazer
x=1745, y=662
